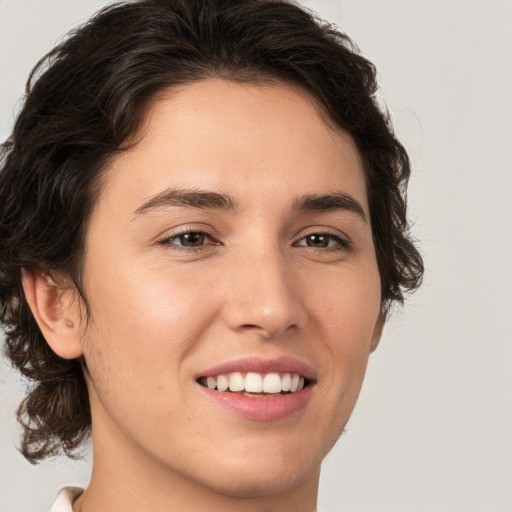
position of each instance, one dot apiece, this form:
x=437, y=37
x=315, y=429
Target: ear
x=377, y=332
x=56, y=310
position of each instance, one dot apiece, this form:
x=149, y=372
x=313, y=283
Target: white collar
x=65, y=498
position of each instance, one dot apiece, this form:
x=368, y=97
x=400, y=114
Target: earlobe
x=377, y=333
x=56, y=312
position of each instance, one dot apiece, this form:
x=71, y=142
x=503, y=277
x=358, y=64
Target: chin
x=263, y=473
x=251, y=483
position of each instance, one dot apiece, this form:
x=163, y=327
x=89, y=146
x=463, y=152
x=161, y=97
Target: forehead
x=236, y=138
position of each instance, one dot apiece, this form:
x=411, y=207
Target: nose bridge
x=264, y=297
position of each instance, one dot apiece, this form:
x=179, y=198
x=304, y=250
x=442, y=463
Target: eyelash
x=168, y=240
x=342, y=243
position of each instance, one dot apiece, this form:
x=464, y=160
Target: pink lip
x=282, y=364
x=258, y=408
x=261, y=408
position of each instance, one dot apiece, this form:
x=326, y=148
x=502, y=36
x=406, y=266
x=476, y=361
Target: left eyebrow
x=187, y=197
x=329, y=202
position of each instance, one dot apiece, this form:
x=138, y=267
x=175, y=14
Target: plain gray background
x=432, y=430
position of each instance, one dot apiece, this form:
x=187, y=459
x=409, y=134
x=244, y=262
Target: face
x=230, y=247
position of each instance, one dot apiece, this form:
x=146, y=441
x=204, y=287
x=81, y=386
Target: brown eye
x=318, y=241
x=190, y=239
x=322, y=241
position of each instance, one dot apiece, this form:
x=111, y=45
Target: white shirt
x=65, y=498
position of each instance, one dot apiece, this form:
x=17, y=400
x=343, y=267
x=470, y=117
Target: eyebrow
x=329, y=202
x=217, y=201
x=194, y=198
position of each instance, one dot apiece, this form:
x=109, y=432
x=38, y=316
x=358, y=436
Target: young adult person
x=203, y=226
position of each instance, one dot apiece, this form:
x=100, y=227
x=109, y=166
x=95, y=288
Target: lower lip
x=261, y=408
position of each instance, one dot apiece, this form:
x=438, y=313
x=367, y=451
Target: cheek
x=166, y=303
x=345, y=310
x=143, y=325
x=347, y=301
x=140, y=334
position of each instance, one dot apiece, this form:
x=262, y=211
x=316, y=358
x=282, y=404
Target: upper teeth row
x=257, y=383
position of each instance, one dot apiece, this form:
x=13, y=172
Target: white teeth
x=222, y=383
x=294, y=385
x=253, y=383
x=270, y=383
x=236, y=382
x=286, y=382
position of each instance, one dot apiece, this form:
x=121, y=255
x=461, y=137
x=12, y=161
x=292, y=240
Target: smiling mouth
x=256, y=384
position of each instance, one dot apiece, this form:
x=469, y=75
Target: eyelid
x=167, y=238
x=344, y=242
x=344, y=239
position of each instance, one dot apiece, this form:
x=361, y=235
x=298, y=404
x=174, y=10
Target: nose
x=263, y=297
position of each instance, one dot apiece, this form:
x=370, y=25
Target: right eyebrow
x=330, y=202
x=188, y=197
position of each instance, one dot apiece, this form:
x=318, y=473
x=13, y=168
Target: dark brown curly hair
x=88, y=96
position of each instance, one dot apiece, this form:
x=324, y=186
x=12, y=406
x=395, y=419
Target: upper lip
x=283, y=364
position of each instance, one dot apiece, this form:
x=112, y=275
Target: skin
x=162, y=312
